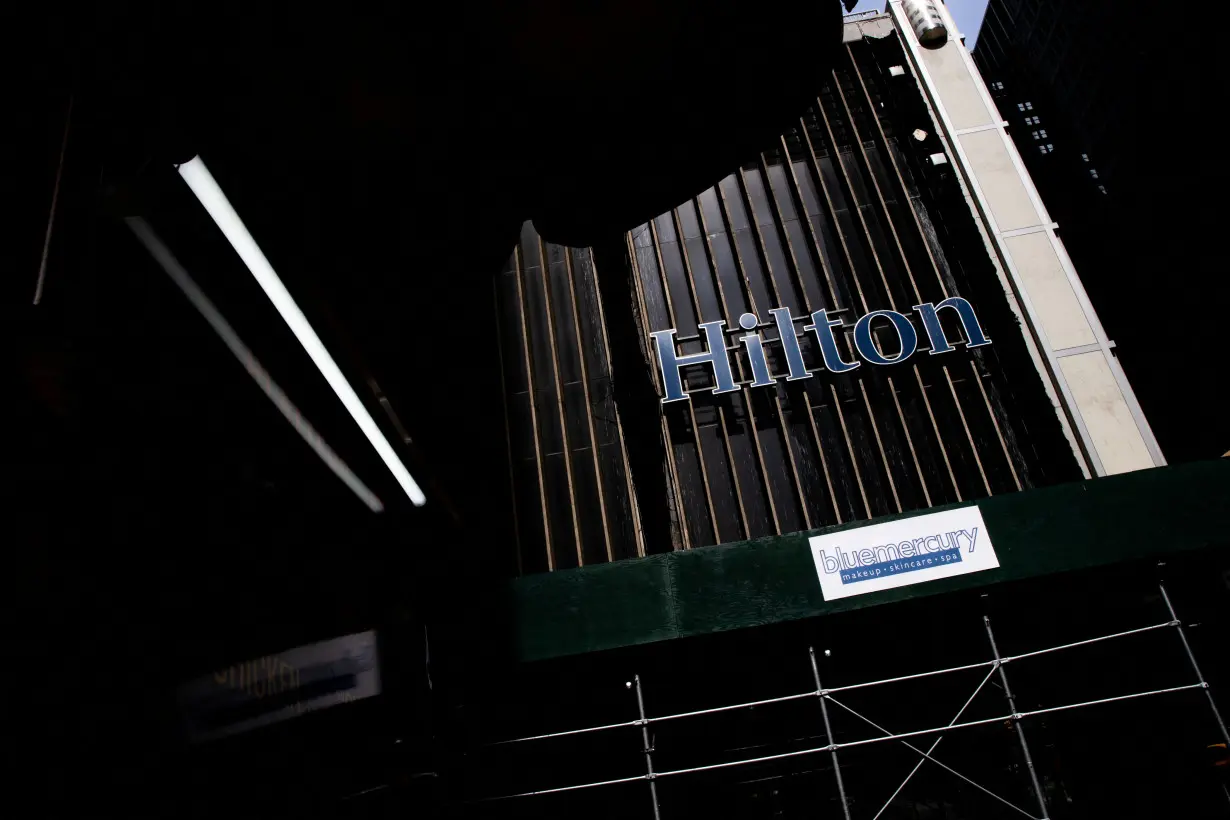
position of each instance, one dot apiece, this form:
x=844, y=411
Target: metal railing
x=997, y=665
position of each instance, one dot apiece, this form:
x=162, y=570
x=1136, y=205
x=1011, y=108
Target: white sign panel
x=279, y=687
x=902, y=553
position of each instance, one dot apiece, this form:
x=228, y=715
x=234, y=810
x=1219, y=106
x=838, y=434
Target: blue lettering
x=790, y=344
x=755, y=351
x=972, y=535
x=935, y=330
x=823, y=326
x=866, y=344
x=672, y=363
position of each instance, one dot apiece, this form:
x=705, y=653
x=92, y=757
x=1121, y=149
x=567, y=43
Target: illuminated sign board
x=902, y=553
x=717, y=357
x=269, y=690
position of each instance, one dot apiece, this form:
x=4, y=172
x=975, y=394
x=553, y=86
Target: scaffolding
x=996, y=666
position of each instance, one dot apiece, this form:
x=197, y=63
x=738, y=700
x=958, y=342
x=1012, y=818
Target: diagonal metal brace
x=944, y=766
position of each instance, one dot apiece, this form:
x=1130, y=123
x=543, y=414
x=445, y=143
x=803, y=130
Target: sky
x=967, y=13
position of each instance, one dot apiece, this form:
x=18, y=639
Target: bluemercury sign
x=901, y=553
x=717, y=357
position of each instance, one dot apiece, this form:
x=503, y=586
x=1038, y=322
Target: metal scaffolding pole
x=934, y=744
x=649, y=775
x=927, y=756
x=1016, y=722
x=832, y=747
x=849, y=687
x=829, y=747
x=1191, y=656
x=828, y=732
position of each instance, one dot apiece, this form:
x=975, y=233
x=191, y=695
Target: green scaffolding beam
x=1141, y=515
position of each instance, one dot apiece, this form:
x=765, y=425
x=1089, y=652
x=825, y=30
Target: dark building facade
x=901, y=547
x=669, y=645
x=1105, y=112
x=847, y=212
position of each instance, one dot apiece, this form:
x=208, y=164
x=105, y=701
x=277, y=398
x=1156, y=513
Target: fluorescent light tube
x=231, y=339
x=210, y=195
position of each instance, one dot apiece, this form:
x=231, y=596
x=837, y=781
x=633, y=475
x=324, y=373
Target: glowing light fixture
x=231, y=339
x=210, y=195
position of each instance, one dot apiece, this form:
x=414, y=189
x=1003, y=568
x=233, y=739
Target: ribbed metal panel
x=845, y=212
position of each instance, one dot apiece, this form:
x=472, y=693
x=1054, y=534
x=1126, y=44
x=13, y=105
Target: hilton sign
x=716, y=356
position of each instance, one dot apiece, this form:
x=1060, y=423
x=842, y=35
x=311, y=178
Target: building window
x=1029, y=106
x=1046, y=149
x=1035, y=134
x=1102, y=188
x=1093, y=172
x=1020, y=106
x=1085, y=157
x=997, y=86
x=1042, y=132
